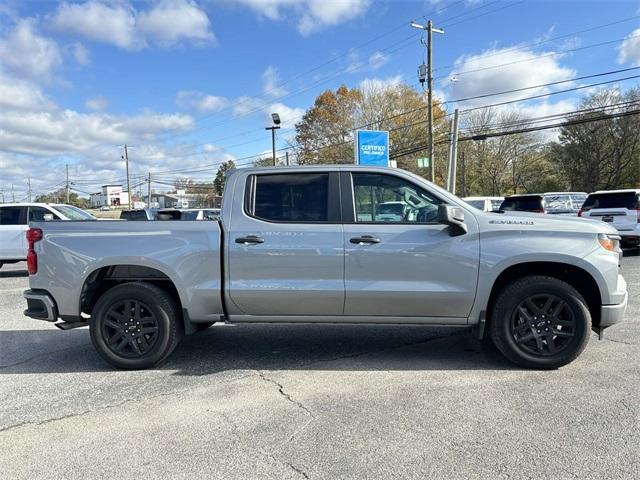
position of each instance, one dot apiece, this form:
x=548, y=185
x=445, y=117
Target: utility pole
x=513, y=168
x=67, y=166
x=429, y=28
x=13, y=195
x=126, y=162
x=149, y=191
x=29, y=184
x=286, y=158
x=454, y=152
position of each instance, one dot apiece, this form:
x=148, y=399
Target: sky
x=189, y=84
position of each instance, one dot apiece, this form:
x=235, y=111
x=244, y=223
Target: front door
x=286, y=252
x=399, y=261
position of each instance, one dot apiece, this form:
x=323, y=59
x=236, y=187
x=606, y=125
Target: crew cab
x=303, y=245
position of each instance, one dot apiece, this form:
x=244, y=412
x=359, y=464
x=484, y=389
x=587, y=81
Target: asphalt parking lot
x=315, y=402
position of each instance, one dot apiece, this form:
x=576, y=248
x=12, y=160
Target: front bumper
x=612, y=314
x=40, y=305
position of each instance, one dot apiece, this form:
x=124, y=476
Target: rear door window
x=627, y=200
x=290, y=197
x=13, y=216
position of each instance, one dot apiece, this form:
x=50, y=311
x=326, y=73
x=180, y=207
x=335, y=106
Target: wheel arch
x=577, y=277
x=105, y=277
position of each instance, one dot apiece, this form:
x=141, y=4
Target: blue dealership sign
x=372, y=148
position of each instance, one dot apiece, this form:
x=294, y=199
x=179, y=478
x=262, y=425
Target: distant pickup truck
x=302, y=245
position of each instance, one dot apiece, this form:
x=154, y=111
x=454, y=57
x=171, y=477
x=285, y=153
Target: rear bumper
x=40, y=305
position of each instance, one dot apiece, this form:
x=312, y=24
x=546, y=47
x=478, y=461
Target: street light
x=276, y=125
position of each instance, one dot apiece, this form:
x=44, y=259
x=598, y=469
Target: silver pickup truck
x=305, y=245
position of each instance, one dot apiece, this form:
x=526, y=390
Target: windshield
x=522, y=204
x=189, y=215
x=559, y=203
x=73, y=213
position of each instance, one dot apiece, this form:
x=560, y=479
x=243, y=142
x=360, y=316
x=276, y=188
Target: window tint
x=612, y=200
x=36, y=214
x=297, y=197
x=522, y=204
x=385, y=198
x=189, y=215
x=11, y=216
x=134, y=215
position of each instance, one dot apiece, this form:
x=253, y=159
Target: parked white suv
x=619, y=208
x=486, y=204
x=14, y=222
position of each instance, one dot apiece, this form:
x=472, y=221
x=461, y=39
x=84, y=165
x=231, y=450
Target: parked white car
x=14, y=222
x=200, y=214
x=395, y=212
x=619, y=208
x=486, y=204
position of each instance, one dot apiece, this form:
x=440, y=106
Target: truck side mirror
x=454, y=217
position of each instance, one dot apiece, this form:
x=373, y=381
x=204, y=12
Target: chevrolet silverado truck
x=303, y=245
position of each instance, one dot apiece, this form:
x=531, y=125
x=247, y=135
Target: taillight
x=33, y=235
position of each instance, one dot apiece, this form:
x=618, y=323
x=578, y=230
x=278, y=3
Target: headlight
x=609, y=242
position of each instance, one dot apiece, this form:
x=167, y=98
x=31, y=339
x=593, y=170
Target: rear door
x=285, y=246
x=13, y=225
x=405, y=268
x=619, y=209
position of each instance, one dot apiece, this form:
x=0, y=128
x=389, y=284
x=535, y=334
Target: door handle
x=365, y=239
x=250, y=239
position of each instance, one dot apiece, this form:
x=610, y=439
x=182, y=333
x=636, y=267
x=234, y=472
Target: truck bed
x=188, y=253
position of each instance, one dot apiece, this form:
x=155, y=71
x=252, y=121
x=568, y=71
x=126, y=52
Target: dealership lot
x=314, y=402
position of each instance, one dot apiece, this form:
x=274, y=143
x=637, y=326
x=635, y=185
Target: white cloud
x=28, y=54
x=373, y=84
x=209, y=148
x=375, y=61
x=288, y=116
x=173, y=20
x=33, y=124
x=322, y=13
x=193, y=100
x=629, y=49
x=521, y=68
x=19, y=95
x=249, y=105
x=311, y=15
x=271, y=83
x=96, y=103
x=80, y=53
x=120, y=24
x=109, y=23
x=245, y=105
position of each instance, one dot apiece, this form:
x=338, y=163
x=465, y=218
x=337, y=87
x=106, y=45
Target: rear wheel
x=540, y=322
x=135, y=326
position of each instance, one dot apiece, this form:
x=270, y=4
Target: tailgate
x=621, y=218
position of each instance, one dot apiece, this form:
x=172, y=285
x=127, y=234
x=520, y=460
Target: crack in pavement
x=110, y=406
x=263, y=376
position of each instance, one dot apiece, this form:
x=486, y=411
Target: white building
x=111, y=195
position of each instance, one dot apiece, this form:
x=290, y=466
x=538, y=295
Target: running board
x=70, y=325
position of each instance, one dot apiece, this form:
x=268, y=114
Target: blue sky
x=191, y=84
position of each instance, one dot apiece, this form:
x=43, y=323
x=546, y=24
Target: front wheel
x=540, y=322
x=135, y=326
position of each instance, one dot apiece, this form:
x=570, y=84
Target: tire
x=540, y=322
x=120, y=338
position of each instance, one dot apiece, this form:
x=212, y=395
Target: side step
x=70, y=325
